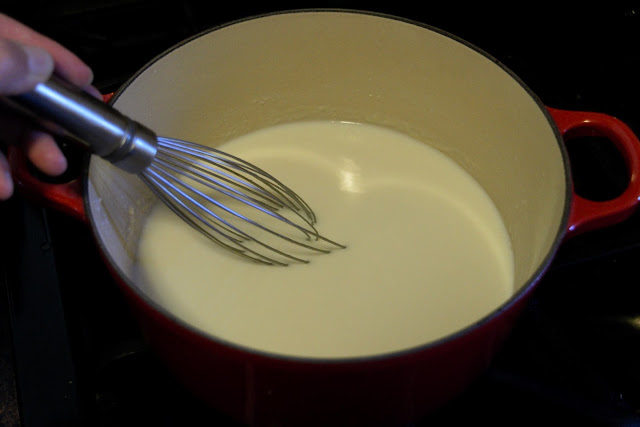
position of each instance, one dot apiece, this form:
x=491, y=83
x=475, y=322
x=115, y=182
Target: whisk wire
x=186, y=164
x=182, y=172
x=310, y=232
x=179, y=196
x=182, y=159
x=188, y=215
x=234, y=165
x=168, y=201
x=207, y=180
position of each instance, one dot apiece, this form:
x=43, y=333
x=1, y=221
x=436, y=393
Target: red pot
x=339, y=65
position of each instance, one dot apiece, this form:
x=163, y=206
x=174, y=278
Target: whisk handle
x=104, y=130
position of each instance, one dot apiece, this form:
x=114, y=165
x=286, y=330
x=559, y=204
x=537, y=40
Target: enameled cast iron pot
x=361, y=67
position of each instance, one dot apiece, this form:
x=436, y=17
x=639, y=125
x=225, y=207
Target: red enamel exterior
x=259, y=389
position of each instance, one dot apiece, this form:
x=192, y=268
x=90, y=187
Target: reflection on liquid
x=350, y=176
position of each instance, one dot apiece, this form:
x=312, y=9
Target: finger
x=93, y=91
x=40, y=147
x=67, y=64
x=6, y=183
x=44, y=153
x=22, y=67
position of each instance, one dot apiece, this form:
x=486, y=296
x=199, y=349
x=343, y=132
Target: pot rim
x=498, y=311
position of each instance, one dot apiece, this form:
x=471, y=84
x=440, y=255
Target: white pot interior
x=348, y=67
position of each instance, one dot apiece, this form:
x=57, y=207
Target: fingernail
x=40, y=63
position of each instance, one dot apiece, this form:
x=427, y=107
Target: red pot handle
x=587, y=214
x=65, y=197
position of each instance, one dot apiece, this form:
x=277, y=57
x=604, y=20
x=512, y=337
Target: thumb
x=22, y=67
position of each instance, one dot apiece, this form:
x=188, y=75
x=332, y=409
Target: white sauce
x=427, y=252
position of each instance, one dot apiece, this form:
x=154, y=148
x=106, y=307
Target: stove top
x=71, y=354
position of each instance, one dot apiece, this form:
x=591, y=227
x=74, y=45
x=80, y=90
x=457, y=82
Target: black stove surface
x=71, y=354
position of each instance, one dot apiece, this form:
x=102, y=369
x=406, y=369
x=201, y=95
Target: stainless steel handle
x=107, y=132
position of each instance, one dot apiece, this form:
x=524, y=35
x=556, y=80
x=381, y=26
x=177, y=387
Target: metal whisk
x=232, y=202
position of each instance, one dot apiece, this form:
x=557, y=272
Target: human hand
x=26, y=59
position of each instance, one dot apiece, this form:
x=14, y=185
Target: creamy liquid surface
x=427, y=252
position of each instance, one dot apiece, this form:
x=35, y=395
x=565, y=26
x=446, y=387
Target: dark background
x=70, y=355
